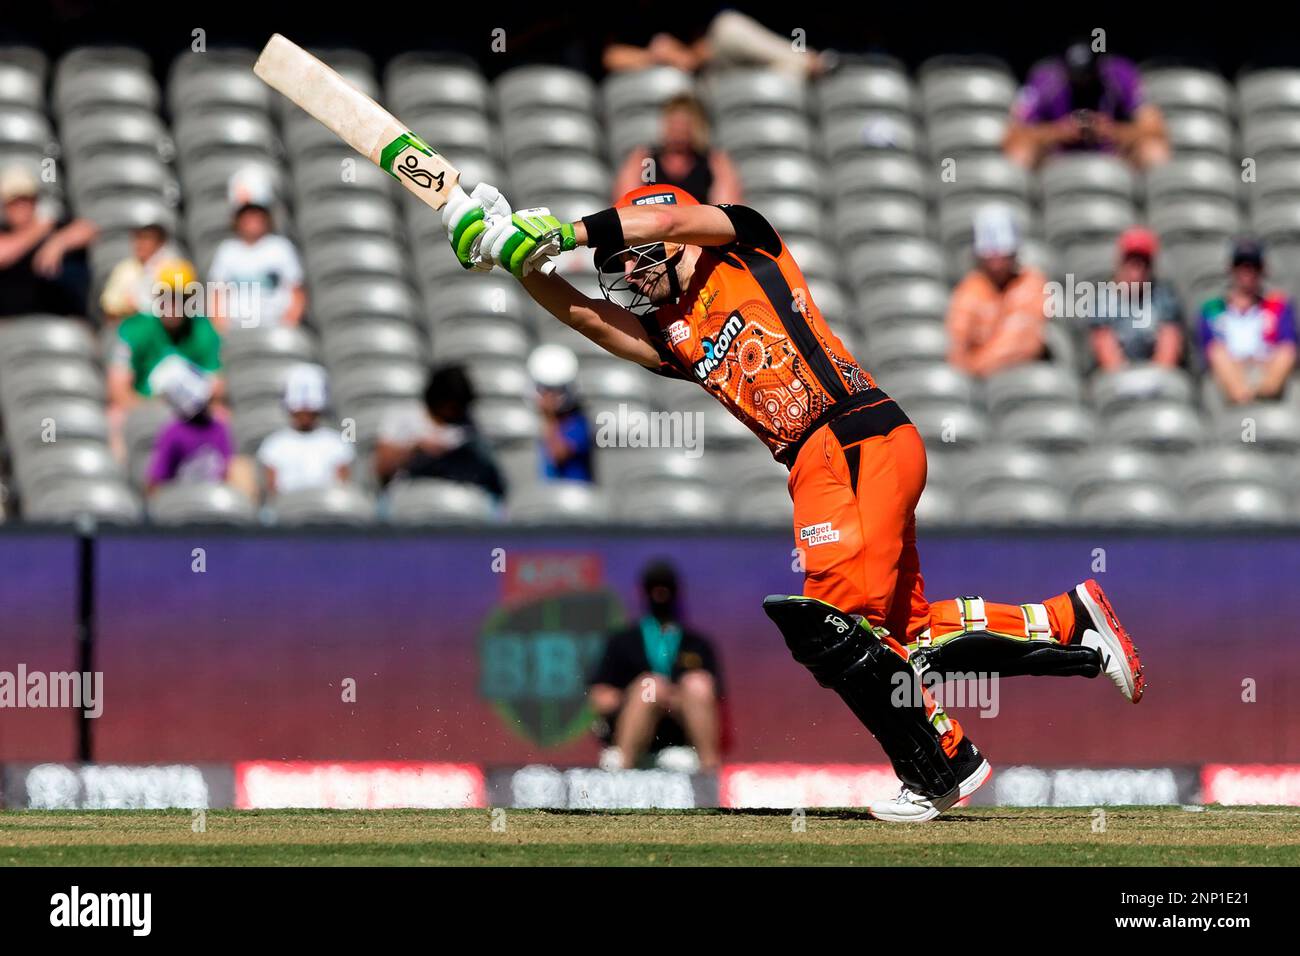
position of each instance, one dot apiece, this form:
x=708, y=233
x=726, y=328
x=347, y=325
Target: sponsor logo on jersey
x=678, y=332
x=815, y=534
x=715, y=349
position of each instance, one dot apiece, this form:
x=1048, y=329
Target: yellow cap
x=176, y=275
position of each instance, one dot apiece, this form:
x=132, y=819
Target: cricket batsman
x=711, y=294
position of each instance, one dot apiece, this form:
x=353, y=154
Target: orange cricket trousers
x=855, y=483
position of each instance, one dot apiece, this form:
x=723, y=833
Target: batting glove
x=525, y=240
x=465, y=218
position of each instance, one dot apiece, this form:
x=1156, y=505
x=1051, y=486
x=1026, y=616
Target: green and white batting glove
x=465, y=218
x=525, y=240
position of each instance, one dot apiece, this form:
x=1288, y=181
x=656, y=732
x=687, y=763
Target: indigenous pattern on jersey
x=747, y=330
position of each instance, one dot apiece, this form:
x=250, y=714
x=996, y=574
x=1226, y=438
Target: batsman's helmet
x=618, y=283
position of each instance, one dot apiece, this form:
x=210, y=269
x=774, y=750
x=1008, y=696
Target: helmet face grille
x=624, y=287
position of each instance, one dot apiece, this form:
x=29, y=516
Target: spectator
x=1144, y=322
x=1249, y=335
x=1085, y=101
x=195, y=445
x=43, y=265
x=306, y=454
x=730, y=39
x=258, y=272
x=440, y=440
x=683, y=158
x=657, y=686
x=996, y=318
x=566, y=443
x=173, y=325
x=130, y=285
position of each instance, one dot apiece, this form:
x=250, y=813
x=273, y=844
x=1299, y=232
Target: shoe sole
x=969, y=785
x=1113, y=633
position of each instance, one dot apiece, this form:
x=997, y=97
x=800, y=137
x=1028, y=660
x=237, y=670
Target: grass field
x=1149, y=836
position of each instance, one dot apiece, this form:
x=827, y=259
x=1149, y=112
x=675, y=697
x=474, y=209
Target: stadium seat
x=414, y=81
x=880, y=174
x=381, y=380
x=1193, y=177
x=538, y=180
x=221, y=86
x=952, y=426
x=1272, y=426
x=83, y=90
x=542, y=134
x=253, y=424
x=241, y=346
x=949, y=85
x=873, y=218
x=1198, y=133
x=204, y=134
x=1271, y=136
x=257, y=382
x=1109, y=466
x=1225, y=465
x=116, y=174
x=1127, y=505
x=643, y=90
x=335, y=504
x=559, y=503
x=936, y=381
x=1164, y=426
x=114, y=130
x=1018, y=504
x=992, y=178
x=961, y=135
x=55, y=378
x=847, y=135
x=359, y=217
x=494, y=297
x=957, y=217
x=781, y=173
x=758, y=133
x=41, y=421
x=20, y=86
x=1193, y=219
x=1053, y=426
x=764, y=508
x=505, y=422
x=1183, y=89
x=1088, y=174
x=340, y=260
x=193, y=502
x=881, y=86
x=1111, y=391
x=1030, y=383
x=1083, y=218
x=95, y=499
x=1239, y=504
x=730, y=92
x=939, y=507
x=792, y=215
x=430, y=501
x=345, y=345
x=27, y=131
x=624, y=468
x=613, y=379
x=361, y=300
x=874, y=262
x=1261, y=93
x=525, y=89
x=462, y=340
x=996, y=464
x=902, y=346
x=904, y=301
x=40, y=468
x=674, y=503
x=322, y=177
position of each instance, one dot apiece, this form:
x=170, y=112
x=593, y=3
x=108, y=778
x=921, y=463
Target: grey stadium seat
x=25, y=130
x=1087, y=175
x=881, y=174
x=563, y=503
x=367, y=299
x=51, y=379
x=1156, y=425
x=91, y=498
x=883, y=87
x=193, y=502
x=906, y=345
x=1129, y=504
x=240, y=346
x=113, y=174
x=1057, y=426
x=505, y=422
x=1219, y=465
x=957, y=88
x=754, y=134
x=850, y=134
x=460, y=340
x=1275, y=426
x=360, y=216
x=764, y=508
x=957, y=217
x=780, y=173
x=733, y=91
x=430, y=501
x=963, y=135
x=43, y=420
x=219, y=87
x=1197, y=177
x=1111, y=391
x=952, y=426
x=39, y=468
x=544, y=133
x=20, y=86
x=1084, y=218
x=996, y=464
x=501, y=378
x=1264, y=92
x=201, y=135
x=527, y=88
x=992, y=178
x=377, y=381
x=492, y=297
x=1192, y=219
x=1240, y=504
x=253, y=424
x=791, y=214
x=1271, y=136
x=900, y=258
x=318, y=177
x=257, y=382
x=115, y=130
x=538, y=181
x=673, y=503
x=937, y=381
x=1181, y=89
x=939, y=507
x=412, y=82
x=904, y=301
x=643, y=89
x=1018, y=504
x=347, y=344
x=1029, y=383
x=1107, y=466
x=81, y=91
x=1200, y=133
x=872, y=218
x=335, y=504
x=357, y=258
x=623, y=468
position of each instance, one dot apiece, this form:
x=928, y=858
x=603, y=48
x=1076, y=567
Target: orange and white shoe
x=1098, y=627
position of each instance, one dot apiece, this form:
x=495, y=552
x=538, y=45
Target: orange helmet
x=647, y=257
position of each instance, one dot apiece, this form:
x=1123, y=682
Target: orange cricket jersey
x=747, y=330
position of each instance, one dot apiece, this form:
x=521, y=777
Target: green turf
x=1143, y=836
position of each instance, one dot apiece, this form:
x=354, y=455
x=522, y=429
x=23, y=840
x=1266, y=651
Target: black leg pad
x=980, y=652
x=880, y=687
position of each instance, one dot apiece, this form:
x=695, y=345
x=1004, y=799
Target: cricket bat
x=357, y=120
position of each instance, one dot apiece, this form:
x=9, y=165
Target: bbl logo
x=536, y=650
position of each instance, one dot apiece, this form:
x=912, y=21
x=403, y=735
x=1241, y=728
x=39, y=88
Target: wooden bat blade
x=356, y=119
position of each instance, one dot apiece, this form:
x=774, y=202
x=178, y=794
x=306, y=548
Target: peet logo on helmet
x=659, y=199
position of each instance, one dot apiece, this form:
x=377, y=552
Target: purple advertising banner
x=38, y=638
x=472, y=647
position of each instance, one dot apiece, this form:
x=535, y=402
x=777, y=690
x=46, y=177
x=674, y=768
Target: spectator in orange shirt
x=995, y=317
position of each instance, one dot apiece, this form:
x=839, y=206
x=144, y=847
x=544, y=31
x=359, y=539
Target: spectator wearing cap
x=1085, y=101
x=1249, y=334
x=440, y=439
x=129, y=288
x=195, y=445
x=43, y=265
x=307, y=453
x=1142, y=321
x=996, y=316
x=566, y=442
x=258, y=272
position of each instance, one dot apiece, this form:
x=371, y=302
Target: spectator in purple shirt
x=195, y=445
x=1085, y=101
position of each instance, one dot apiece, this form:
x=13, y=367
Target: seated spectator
x=683, y=158
x=174, y=325
x=129, y=288
x=43, y=265
x=1249, y=335
x=1085, y=101
x=657, y=686
x=996, y=315
x=256, y=274
x=731, y=38
x=566, y=443
x=440, y=440
x=195, y=445
x=1144, y=323
x=307, y=454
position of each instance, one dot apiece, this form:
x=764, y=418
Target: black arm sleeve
x=752, y=229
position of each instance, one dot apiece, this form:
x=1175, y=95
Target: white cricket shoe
x=611, y=759
x=912, y=807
